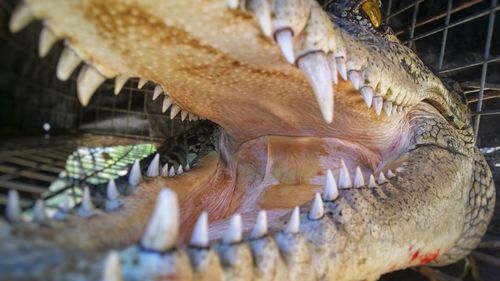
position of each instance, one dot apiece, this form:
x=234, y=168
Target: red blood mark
x=415, y=256
x=320, y=173
x=424, y=258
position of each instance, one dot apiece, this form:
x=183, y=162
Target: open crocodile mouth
x=282, y=141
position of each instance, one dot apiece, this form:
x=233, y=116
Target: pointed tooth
x=167, y=102
x=68, y=62
x=163, y=227
x=262, y=13
x=356, y=78
x=86, y=207
x=285, y=41
x=293, y=225
x=200, y=238
x=184, y=114
x=371, y=181
x=399, y=169
x=315, y=67
x=171, y=172
x=234, y=232
x=260, y=228
x=13, y=209
x=120, y=81
x=341, y=67
x=174, y=111
x=142, y=82
x=46, y=41
x=359, y=181
x=187, y=168
x=388, y=108
x=367, y=93
x=112, y=269
x=39, y=213
x=180, y=171
x=64, y=207
x=88, y=81
x=135, y=177
x=232, y=4
x=164, y=171
x=331, y=191
x=344, y=177
x=157, y=92
x=317, y=209
x=112, y=192
x=381, y=178
x=378, y=102
x=154, y=167
x=20, y=18
x=390, y=174
x=332, y=63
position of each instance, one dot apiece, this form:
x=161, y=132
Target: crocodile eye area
x=371, y=8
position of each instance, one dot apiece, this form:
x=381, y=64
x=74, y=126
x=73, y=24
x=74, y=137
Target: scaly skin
x=274, y=148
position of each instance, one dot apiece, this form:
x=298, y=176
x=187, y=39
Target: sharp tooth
x=293, y=225
x=187, y=168
x=378, y=102
x=333, y=69
x=344, y=177
x=112, y=192
x=232, y=4
x=171, y=172
x=174, y=111
x=86, y=208
x=184, y=114
x=180, y=171
x=260, y=228
x=234, y=232
x=13, y=210
x=359, y=181
x=331, y=191
x=371, y=181
x=399, y=169
x=68, y=62
x=261, y=11
x=142, y=82
x=285, y=41
x=164, y=171
x=381, y=178
x=120, y=81
x=341, y=67
x=167, y=102
x=157, y=92
x=112, y=269
x=20, y=18
x=315, y=67
x=163, y=227
x=388, y=108
x=356, y=79
x=200, y=232
x=47, y=40
x=154, y=167
x=88, y=81
x=390, y=174
x=135, y=177
x=317, y=210
x=367, y=93
x=63, y=209
x=39, y=213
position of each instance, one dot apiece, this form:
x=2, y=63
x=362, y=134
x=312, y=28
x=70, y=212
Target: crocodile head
x=319, y=107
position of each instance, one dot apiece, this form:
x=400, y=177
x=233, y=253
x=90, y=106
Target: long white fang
x=359, y=181
x=331, y=191
x=388, y=108
x=333, y=69
x=142, y=82
x=367, y=93
x=232, y=4
x=317, y=210
x=293, y=225
x=174, y=111
x=163, y=227
x=378, y=102
x=285, y=41
x=13, y=210
x=261, y=11
x=344, y=177
x=112, y=191
x=356, y=78
x=234, y=232
x=390, y=174
x=68, y=62
x=87, y=207
x=315, y=67
x=88, y=81
x=120, y=81
x=135, y=177
x=164, y=171
x=200, y=232
x=171, y=172
x=63, y=209
x=187, y=168
x=20, y=18
x=154, y=167
x=112, y=269
x=381, y=178
x=180, y=171
x=260, y=228
x=167, y=102
x=46, y=41
x=184, y=114
x=341, y=67
x=39, y=213
x=157, y=92
x=371, y=181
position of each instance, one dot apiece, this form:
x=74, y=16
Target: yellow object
x=372, y=9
